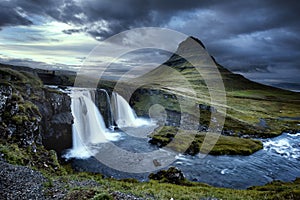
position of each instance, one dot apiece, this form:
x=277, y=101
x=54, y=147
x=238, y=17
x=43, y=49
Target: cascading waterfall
x=88, y=127
x=124, y=115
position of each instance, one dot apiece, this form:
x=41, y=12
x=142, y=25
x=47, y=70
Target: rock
x=20, y=119
x=5, y=93
x=172, y=175
x=207, y=108
x=31, y=114
x=57, y=120
x=193, y=149
x=122, y=196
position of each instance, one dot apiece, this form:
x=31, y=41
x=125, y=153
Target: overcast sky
x=258, y=38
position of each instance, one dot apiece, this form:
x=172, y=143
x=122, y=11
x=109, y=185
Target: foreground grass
x=157, y=190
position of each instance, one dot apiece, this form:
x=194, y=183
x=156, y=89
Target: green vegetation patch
x=191, y=142
x=163, y=190
x=280, y=190
x=33, y=156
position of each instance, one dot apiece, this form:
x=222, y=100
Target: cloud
x=103, y=18
x=246, y=36
x=12, y=16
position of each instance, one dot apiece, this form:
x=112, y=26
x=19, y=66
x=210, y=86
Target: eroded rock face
x=31, y=114
x=56, y=125
x=20, y=118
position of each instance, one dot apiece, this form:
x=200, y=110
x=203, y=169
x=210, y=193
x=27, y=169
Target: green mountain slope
x=252, y=108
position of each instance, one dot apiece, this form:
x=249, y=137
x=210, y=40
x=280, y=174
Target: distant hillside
x=48, y=77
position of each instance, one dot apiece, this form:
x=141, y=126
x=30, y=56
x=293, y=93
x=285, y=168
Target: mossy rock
x=172, y=175
x=33, y=156
x=225, y=145
x=163, y=135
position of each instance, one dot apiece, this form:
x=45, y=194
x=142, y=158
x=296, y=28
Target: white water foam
x=284, y=145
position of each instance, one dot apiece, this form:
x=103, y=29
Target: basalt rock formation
x=31, y=114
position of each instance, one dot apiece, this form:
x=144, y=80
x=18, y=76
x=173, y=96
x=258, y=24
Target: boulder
x=172, y=175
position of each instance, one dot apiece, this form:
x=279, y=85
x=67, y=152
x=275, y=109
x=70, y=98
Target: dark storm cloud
x=245, y=36
x=105, y=18
x=11, y=16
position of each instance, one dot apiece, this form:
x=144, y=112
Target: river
x=278, y=160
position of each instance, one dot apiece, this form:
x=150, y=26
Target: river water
x=278, y=160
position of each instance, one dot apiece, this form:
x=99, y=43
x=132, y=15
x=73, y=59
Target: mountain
x=251, y=109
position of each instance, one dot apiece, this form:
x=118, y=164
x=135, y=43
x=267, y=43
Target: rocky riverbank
x=19, y=182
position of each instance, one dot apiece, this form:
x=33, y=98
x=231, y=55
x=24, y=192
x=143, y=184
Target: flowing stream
x=278, y=160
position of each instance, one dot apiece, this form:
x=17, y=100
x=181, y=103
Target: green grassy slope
x=251, y=108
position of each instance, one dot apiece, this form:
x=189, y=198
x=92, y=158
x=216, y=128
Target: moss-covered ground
x=191, y=142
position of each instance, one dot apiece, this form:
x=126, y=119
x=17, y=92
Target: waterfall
x=124, y=115
x=88, y=127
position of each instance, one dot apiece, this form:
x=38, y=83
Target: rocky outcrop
x=20, y=118
x=172, y=175
x=57, y=120
x=102, y=101
x=31, y=114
